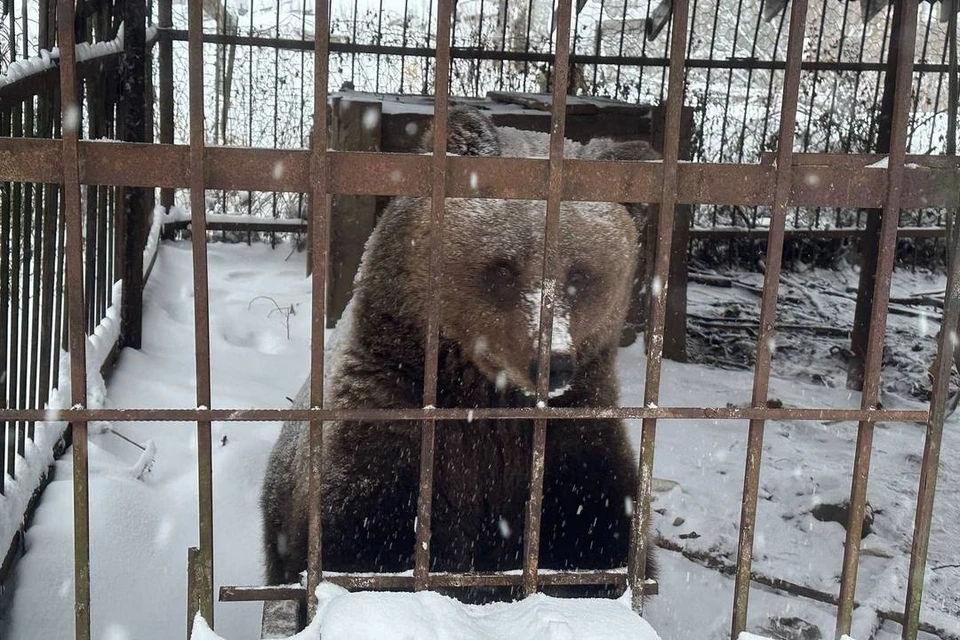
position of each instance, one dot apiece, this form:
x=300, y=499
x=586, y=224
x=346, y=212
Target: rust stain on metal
x=888, y=234
x=319, y=250
x=77, y=313
x=549, y=277
x=406, y=582
x=768, y=314
x=438, y=194
x=547, y=413
x=852, y=182
x=658, y=299
x=201, y=308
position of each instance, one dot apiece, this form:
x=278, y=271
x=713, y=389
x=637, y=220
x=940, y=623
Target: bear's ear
x=469, y=133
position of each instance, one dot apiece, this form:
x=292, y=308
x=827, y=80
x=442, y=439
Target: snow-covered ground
x=141, y=528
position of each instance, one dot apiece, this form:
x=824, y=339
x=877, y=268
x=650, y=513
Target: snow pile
x=20, y=69
x=38, y=454
x=399, y=616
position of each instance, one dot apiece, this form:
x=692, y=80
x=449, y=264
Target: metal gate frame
x=795, y=179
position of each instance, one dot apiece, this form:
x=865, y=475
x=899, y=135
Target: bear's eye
x=580, y=284
x=500, y=284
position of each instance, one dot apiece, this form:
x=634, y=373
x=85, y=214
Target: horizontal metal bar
x=843, y=232
x=530, y=413
x=824, y=180
x=216, y=222
x=405, y=582
x=473, y=53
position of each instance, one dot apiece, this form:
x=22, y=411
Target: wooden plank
x=542, y=101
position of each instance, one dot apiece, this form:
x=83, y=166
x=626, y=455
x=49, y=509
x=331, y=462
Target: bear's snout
x=561, y=371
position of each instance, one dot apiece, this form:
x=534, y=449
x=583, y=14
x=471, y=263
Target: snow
x=38, y=454
x=20, y=69
x=143, y=521
x=399, y=616
x=44, y=60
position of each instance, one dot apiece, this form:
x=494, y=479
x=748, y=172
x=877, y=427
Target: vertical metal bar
x=768, y=311
x=746, y=99
x=478, y=61
x=432, y=339
x=837, y=74
x=201, y=307
x=726, y=100
x=526, y=43
x=946, y=349
x=931, y=449
x=16, y=299
x=548, y=292
x=319, y=239
x=871, y=235
x=47, y=336
x=816, y=75
x=131, y=201
x=35, y=325
x=61, y=339
x=878, y=320
x=504, y=18
x=658, y=299
x=78, y=357
x=916, y=96
x=953, y=83
x=193, y=602
x=26, y=204
x=5, y=344
x=165, y=63
x=378, y=39
x=94, y=194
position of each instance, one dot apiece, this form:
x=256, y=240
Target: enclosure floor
x=141, y=528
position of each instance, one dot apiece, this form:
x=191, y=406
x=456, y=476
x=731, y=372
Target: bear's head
x=492, y=270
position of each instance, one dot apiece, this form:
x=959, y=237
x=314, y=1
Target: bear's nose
x=561, y=370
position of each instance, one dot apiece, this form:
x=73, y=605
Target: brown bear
x=492, y=276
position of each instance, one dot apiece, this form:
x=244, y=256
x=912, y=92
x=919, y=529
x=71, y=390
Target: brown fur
x=492, y=268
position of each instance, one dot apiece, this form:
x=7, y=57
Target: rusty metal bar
x=70, y=111
x=438, y=194
x=658, y=299
x=201, y=306
x=947, y=347
x=319, y=172
x=547, y=413
x=768, y=314
x=5, y=245
x=946, y=350
x=27, y=322
x=16, y=299
x=37, y=393
x=472, y=53
x=131, y=207
x=193, y=602
x=548, y=294
x=817, y=179
x=406, y=582
x=844, y=232
x=48, y=338
x=165, y=71
x=878, y=320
